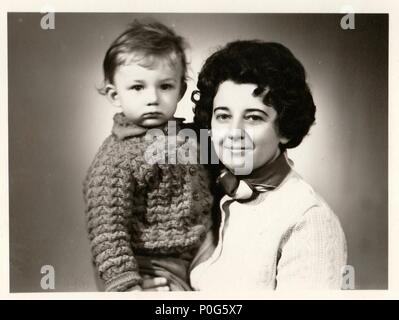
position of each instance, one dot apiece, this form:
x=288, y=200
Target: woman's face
x=244, y=133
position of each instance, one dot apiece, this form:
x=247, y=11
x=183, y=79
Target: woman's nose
x=236, y=130
x=236, y=134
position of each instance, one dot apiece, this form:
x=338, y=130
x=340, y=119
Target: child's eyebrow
x=169, y=79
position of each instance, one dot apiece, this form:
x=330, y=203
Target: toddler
x=145, y=217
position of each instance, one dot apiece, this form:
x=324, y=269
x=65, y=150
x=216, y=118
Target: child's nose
x=152, y=96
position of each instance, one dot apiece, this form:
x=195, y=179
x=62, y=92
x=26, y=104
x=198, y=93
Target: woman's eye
x=254, y=118
x=222, y=117
x=167, y=86
x=137, y=87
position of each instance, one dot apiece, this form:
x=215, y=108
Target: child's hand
x=135, y=288
x=154, y=284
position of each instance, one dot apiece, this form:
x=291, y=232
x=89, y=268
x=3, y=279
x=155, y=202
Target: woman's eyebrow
x=221, y=109
x=256, y=110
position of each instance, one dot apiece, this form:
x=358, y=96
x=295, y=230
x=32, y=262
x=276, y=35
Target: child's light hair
x=145, y=42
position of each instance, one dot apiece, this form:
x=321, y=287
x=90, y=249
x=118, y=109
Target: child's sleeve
x=108, y=191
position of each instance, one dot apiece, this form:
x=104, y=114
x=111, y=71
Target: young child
x=275, y=231
x=145, y=218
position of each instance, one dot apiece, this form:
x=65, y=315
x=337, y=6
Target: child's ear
x=183, y=90
x=112, y=95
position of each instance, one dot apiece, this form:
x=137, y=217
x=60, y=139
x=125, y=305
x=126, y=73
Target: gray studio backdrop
x=57, y=121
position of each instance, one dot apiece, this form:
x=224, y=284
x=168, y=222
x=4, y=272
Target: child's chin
x=153, y=122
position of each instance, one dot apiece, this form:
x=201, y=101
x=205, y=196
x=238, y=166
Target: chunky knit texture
x=135, y=207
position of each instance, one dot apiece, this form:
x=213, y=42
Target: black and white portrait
x=74, y=141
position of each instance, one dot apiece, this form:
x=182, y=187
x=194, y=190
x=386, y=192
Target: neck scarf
x=262, y=179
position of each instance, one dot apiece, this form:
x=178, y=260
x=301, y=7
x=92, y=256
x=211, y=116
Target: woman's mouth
x=238, y=151
x=237, y=148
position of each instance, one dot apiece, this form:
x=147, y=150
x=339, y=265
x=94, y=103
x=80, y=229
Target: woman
x=275, y=231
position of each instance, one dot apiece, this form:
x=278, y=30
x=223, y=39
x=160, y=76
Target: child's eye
x=137, y=87
x=167, y=86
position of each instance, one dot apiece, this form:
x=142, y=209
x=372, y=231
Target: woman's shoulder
x=313, y=207
x=295, y=197
x=313, y=216
x=297, y=189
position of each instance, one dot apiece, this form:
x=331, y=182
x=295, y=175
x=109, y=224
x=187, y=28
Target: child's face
x=242, y=124
x=148, y=95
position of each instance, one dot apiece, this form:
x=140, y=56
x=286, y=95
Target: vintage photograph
x=197, y=151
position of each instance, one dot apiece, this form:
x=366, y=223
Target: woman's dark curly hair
x=270, y=66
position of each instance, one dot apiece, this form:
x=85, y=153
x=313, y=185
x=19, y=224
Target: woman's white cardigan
x=287, y=238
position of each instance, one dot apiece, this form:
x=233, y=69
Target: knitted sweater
x=286, y=238
x=135, y=207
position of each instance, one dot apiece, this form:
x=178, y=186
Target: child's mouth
x=151, y=115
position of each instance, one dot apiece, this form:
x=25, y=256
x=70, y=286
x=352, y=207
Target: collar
x=125, y=128
x=270, y=174
x=265, y=178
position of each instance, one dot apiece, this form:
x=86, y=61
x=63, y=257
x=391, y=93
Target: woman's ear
x=284, y=140
x=112, y=95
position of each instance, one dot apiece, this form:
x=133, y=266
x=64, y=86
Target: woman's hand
x=154, y=284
